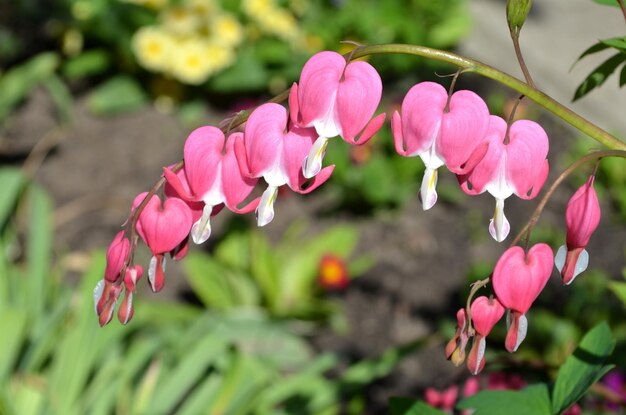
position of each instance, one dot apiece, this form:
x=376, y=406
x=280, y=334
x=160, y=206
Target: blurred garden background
x=347, y=298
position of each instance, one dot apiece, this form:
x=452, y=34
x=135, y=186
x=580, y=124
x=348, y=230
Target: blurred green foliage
x=246, y=271
x=173, y=357
x=177, y=51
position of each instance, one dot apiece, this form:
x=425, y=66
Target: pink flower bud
x=455, y=349
x=116, y=257
x=582, y=217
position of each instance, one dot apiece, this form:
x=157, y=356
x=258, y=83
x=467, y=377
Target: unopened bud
x=516, y=12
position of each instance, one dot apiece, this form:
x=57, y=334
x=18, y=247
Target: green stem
x=470, y=65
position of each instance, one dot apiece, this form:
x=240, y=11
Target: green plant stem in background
x=623, y=7
x=470, y=65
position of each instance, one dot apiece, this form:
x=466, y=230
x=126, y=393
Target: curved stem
x=482, y=69
x=527, y=229
x=520, y=58
x=623, y=7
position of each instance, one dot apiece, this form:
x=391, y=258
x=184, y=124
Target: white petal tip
x=522, y=328
x=312, y=163
x=428, y=189
x=559, y=258
x=581, y=264
x=97, y=294
x=499, y=226
x=265, y=211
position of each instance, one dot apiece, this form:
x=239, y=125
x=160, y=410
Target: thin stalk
x=520, y=58
x=623, y=7
x=527, y=229
x=470, y=65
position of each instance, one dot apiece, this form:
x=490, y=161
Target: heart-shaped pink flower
x=519, y=278
x=486, y=312
x=163, y=226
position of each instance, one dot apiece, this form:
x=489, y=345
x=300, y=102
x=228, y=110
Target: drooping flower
x=444, y=400
x=486, y=312
x=162, y=226
x=582, y=217
x=455, y=349
x=337, y=99
x=518, y=279
x=116, y=256
x=127, y=310
x=514, y=164
x=441, y=131
x=271, y=151
x=212, y=176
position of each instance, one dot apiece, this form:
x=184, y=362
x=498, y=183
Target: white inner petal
x=97, y=294
x=312, y=163
x=559, y=258
x=482, y=345
x=581, y=264
x=215, y=195
x=499, y=226
x=129, y=305
x=428, y=192
x=201, y=230
x=522, y=327
x=152, y=271
x=265, y=210
x=328, y=124
x=498, y=187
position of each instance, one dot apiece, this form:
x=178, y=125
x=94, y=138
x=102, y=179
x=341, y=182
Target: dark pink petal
x=486, y=312
x=358, y=97
x=422, y=111
x=491, y=164
x=476, y=357
x=526, y=154
x=582, y=215
x=176, y=186
x=516, y=333
x=296, y=145
x=318, y=86
x=202, y=154
x=294, y=106
x=116, y=256
x=370, y=129
x=263, y=137
x=463, y=128
x=235, y=185
x=518, y=279
x=164, y=227
x=318, y=180
x=540, y=179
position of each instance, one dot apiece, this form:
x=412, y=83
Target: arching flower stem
x=595, y=155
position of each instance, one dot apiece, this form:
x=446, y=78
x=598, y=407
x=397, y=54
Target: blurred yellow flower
x=153, y=48
x=280, y=23
x=226, y=29
x=202, y=7
x=220, y=56
x=180, y=21
x=191, y=63
x=257, y=8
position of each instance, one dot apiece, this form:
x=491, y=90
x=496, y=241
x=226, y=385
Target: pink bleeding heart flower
x=337, y=99
x=127, y=310
x=444, y=400
x=212, y=176
x=117, y=254
x=105, y=295
x=455, y=349
x=518, y=279
x=515, y=164
x=440, y=131
x=162, y=227
x=486, y=312
x=582, y=217
x=271, y=151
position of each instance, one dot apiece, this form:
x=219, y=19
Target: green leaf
x=13, y=329
x=406, y=406
x=599, y=75
x=607, y=2
x=117, y=95
x=619, y=289
x=17, y=83
x=622, y=77
x=173, y=388
x=88, y=63
x=598, y=47
x=11, y=182
x=246, y=74
x=61, y=97
x=616, y=42
x=533, y=400
x=583, y=368
x=208, y=280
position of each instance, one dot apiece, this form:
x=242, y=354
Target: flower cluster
x=286, y=146
x=333, y=98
